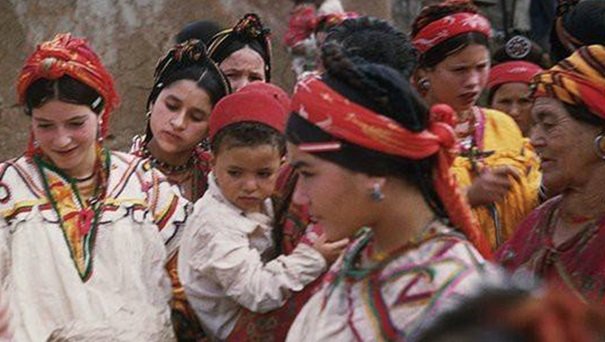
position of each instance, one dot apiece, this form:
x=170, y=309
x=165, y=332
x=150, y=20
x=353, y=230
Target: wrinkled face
x=564, y=144
x=66, y=133
x=337, y=197
x=179, y=117
x=242, y=67
x=459, y=79
x=247, y=175
x=514, y=100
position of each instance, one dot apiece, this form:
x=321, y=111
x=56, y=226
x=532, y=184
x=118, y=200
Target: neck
x=402, y=216
x=173, y=159
x=587, y=200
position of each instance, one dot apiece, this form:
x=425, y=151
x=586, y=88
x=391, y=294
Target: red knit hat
x=256, y=102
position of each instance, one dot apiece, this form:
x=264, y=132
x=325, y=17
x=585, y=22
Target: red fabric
x=300, y=25
x=257, y=102
x=67, y=55
x=509, y=72
x=576, y=266
x=345, y=120
x=327, y=21
x=448, y=27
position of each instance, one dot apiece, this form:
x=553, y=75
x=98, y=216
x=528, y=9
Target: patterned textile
x=362, y=299
x=448, y=27
x=577, y=80
x=577, y=265
x=500, y=143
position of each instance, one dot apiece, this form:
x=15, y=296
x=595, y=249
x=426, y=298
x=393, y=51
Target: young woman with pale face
x=497, y=171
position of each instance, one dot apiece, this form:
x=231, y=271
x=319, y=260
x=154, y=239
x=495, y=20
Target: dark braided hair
x=376, y=41
x=188, y=61
x=383, y=90
x=450, y=46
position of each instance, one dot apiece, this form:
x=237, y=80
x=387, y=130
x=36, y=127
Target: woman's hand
x=328, y=249
x=492, y=185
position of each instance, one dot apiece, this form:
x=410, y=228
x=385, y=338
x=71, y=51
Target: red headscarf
x=577, y=80
x=67, y=55
x=256, y=102
x=509, y=72
x=449, y=27
x=335, y=114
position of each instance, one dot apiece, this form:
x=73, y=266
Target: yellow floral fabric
x=502, y=136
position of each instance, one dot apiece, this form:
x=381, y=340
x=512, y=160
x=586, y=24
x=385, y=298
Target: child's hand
x=328, y=249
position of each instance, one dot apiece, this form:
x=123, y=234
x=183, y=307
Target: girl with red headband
x=508, y=83
x=496, y=169
x=374, y=166
x=85, y=231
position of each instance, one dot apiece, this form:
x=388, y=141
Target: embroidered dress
x=92, y=271
x=393, y=299
x=225, y=263
x=497, y=141
x=577, y=265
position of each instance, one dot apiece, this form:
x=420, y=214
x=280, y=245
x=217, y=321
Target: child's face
x=247, y=175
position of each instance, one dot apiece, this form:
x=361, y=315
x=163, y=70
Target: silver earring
x=597, y=146
x=148, y=114
x=377, y=194
x=424, y=84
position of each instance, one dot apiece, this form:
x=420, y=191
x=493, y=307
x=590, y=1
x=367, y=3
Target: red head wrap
x=67, y=55
x=335, y=114
x=509, y=72
x=256, y=102
x=577, y=80
x=449, y=27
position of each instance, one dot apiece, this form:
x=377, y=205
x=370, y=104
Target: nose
x=250, y=184
x=300, y=196
x=536, y=137
x=514, y=110
x=474, y=79
x=62, y=140
x=178, y=120
x=238, y=83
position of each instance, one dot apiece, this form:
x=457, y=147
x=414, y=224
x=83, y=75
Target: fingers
x=507, y=171
x=337, y=244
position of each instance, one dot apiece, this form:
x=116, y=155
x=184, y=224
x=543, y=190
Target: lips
x=65, y=153
x=469, y=97
x=171, y=136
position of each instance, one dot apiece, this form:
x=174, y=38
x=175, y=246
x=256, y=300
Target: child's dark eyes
x=265, y=174
x=234, y=173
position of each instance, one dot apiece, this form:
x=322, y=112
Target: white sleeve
x=240, y=272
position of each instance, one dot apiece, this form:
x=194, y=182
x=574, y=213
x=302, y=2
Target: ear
x=369, y=182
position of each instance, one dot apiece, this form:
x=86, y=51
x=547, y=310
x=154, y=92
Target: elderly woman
x=562, y=240
x=243, y=52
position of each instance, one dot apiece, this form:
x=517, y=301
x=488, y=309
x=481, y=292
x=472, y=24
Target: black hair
x=203, y=30
x=66, y=89
x=583, y=20
x=386, y=92
x=450, y=46
x=533, y=54
x=248, y=134
x=582, y=114
x=376, y=41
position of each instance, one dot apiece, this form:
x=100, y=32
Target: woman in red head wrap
x=495, y=167
x=562, y=240
x=79, y=240
x=374, y=166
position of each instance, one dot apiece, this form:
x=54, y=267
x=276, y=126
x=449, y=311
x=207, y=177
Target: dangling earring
x=424, y=85
x=377, y=194
x=148, y=114
x=598, y=147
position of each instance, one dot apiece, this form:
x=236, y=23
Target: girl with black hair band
x=496, y=167
x=243, y=52
x=84, y=231
x=187, y=85
x=374, y=166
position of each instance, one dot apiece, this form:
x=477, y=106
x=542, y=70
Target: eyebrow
x=299, y=163
x=75, y=118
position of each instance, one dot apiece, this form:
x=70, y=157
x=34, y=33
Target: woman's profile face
x=242, y=67
x=459, y=79
x=564, y=144
x=336, y=196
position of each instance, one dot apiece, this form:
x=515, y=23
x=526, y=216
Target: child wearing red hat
x=230, y=261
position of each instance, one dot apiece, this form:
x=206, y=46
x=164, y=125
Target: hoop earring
x=377, y=194
x=597, y=146
x=424, y=84
x=148, y=114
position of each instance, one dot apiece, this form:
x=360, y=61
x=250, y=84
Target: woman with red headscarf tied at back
x=81, y=251
x=562, y=240
x=374, y=165
x=495, y=166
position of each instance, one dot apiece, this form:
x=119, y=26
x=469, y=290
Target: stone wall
x=130, y=36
